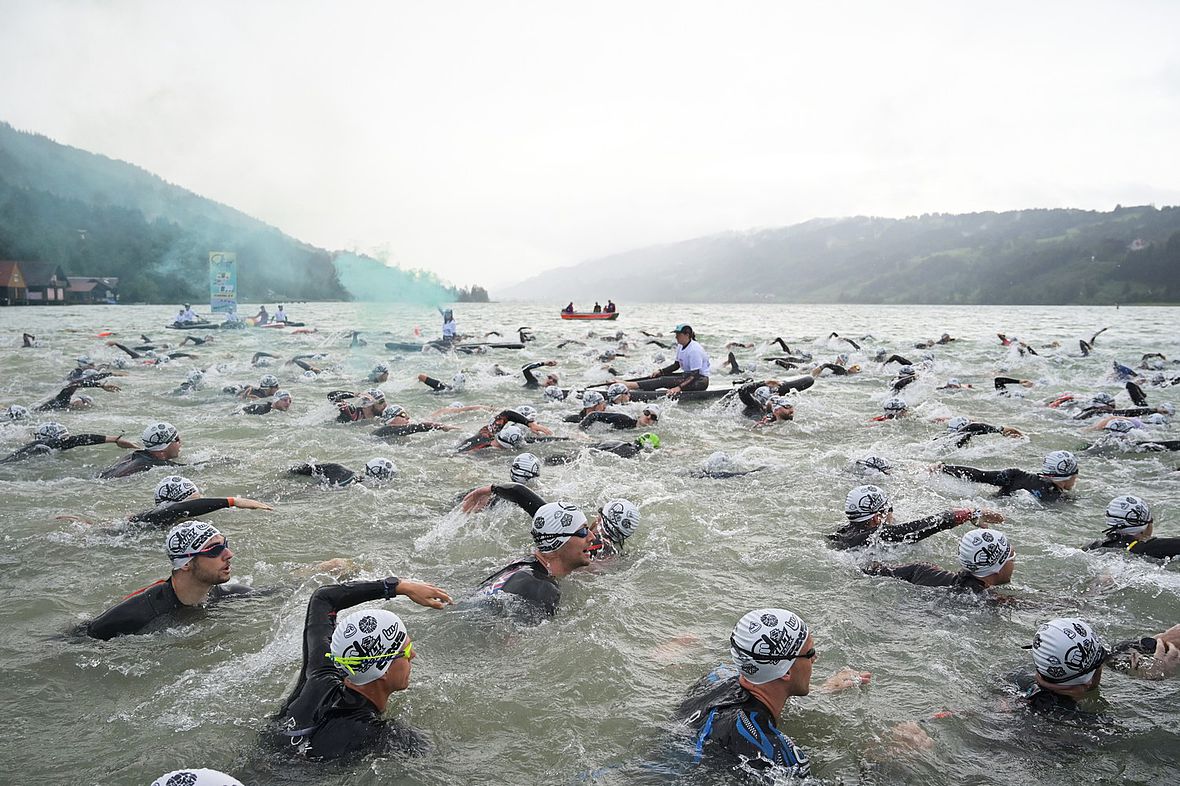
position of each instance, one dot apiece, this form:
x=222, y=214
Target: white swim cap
x=51, y=431
x=1059, y=465
x=268, y=381
x=186, y=540
x=870, y=464
x=906, y=371
x=554, y=524
x=459, y=381
x=525, y=467
x=1128, y=515
x=554, y=393
x=864, y=502
x=282, y=394
x=957, y=423
x=762, y=394
x=616, y=390
x=380, y=368
x=895, y=405
x=159, y=435
x=765, y=643
x=366, y=642
x=511, y=436
x=200, y=777
x=1168, y=408
x=527, y=412
x=375, y=394
x=620, y=519
x=1102, y=400
x=1119, y=425
x=195, y=376
x=1156, y=419
x=309, y=374
x=954, y=382
x=394, y=411
x=380, y=468
x=591, y=398
x=175, y=488
x=984, y=552
x=719, y=461
x=16, y=412
x=1067, y=651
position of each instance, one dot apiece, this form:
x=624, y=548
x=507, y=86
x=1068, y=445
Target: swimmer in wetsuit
x=525, y=468
x=200, y=557
x=458, y=383
x=531, y=381
x=52, y=436
x=351, y=666
x=617, y=520
x=281, y=403
x=1058, y=475
x=778, y=408
x=372, y=404
x=592, y=401
x=732, y=713
x=379, y=469
x=1129, y=527
x=161, y=445
x=720, y=466
x=177, y=499
x=562, y=544
x=649, y=417
x=893, y=409
x=379, y=374
x=870, y=521
x=268, y=385
x=987, y=558
x=648, y=441
x=398, y=424
x=691, y=361
x=961, y=430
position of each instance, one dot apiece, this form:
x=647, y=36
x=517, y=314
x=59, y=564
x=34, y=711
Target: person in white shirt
x=690, y=371
x=280, y=315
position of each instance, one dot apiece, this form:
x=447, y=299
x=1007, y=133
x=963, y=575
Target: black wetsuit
x=621, y=449
x=926, y=575
x=139, y=461
x=855, y=534
x=897, y=359
x=836, y=369
x=752, y=407
x=261, y=408
x=1059, y=707
x=143, y=606
x=731, y=726
x=1009, y=481
x=1094, y=412
x=527, y=579
x=964, y=435
x=323, y=718
x=487, y=435
x=616, y=420
x=1001, y=383
x=62, y=399
x=531, y=381
x=169, y=513
x=389, y=432
x=43, y=446
x=438, y=386
x=329, y=473
x=901, y=382
x=1150, y=547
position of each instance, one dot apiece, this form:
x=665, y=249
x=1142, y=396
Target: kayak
x=686, y=395
x=589, y=315
x=193, y=326
x=399, y=346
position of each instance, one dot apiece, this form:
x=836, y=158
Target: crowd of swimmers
x=355, y=658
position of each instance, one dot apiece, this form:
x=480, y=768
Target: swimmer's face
x=647, y=419
x=799, y=677
x=400, y=420
x=397, y=677
x=575, y=552
x=1005, y=574
x=378, y=407
x=213, y=570
x=1067, y=484
x=172, y=450
x=282, y=404
x=550, y=379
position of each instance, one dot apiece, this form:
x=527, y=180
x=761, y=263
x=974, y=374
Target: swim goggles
x=349, y=662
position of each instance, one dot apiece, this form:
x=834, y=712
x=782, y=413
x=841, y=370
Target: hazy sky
x=489, y=140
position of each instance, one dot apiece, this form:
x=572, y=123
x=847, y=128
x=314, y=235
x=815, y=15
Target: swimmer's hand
x=934, y=469
x=1010, y=432
x=423, y=594
x=125, y=443
x=846, y=678
x=1170, y=636
x=909, y=736
x=110, y=387
x=477, y=500
x=1026, y=383
x=989, y=516
x=537, y=428
x=674, y=392
x=250, y=504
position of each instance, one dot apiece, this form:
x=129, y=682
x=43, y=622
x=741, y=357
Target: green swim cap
x=649, y=440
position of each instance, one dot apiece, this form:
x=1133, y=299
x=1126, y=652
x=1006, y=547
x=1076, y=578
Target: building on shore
x=46, y=283
x=13, y=290
x=89, y=290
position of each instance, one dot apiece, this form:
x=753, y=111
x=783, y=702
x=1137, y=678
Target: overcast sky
x=488, y=140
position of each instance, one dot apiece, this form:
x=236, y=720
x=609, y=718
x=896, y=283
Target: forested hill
x=1128, y=255
x=96, y=216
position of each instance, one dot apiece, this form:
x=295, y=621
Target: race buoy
x=106, y=334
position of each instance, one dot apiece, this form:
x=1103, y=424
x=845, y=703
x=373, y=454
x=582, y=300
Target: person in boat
x=568, y=309
x=262, y=317
x=449, y=328
x=280, y=315
x=610, y=307
x=597, y=308
x=691, y=360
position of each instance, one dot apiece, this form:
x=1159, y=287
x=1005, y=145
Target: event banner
x=223, y=281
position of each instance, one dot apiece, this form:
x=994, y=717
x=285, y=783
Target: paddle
x=605, y=384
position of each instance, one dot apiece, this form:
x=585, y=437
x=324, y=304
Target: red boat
x=589, y=315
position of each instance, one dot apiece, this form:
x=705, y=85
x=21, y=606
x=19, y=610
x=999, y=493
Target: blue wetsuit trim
x=704, y=735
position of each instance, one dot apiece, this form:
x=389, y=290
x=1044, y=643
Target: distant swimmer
x=1059, y=474
x=51, y=437
x=987, y=558
x=906, y=375
x=489, y=433
x=161, y=445
x=872, y=465
x=1001, y=384
x=177, y=498
x=721, y=466
x=645, y=442
x=531, y=381
x=953, y=383
x=1088, y=346
x=648, y=417
x=379, y=374
x=893, y=409
x=962, y=429
x=1129, y=528
x=778, y=408
x=281, y=402
x=848, y=341
x=562, y=543
x=352, y=664
x=870, y=521
x=65, y=398
x=944, y=339
x=524, y=469
x=200, y=557
x=839, y=367
x=268, y=384
x=691, y=361
x=196, y=340
x=379, y=470
x=458, y=383
x=592, y=401
x=398, y=424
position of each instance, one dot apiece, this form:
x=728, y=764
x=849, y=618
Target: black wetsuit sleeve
x=921, y=573
x=128, y=350
x=902, y=382
x=185, y=509
x=832, y=367
x=522, y=495
x=80, y=440
x=616, y=420
x=1001, y=383
x=261, y=408
x=510, y=416
x=530, y=381
x=999, y=477
x=898, y=359
x=434, y=384
x=972, y=429
x=61, y=400
x=912, y=531
x=134, y=612
x=1133, y=412
x=303, y=364
x=32, y=449
x=336, y=474
x=401, y=431
x=746, y=394
x=1156, y=547
x=94, y=381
